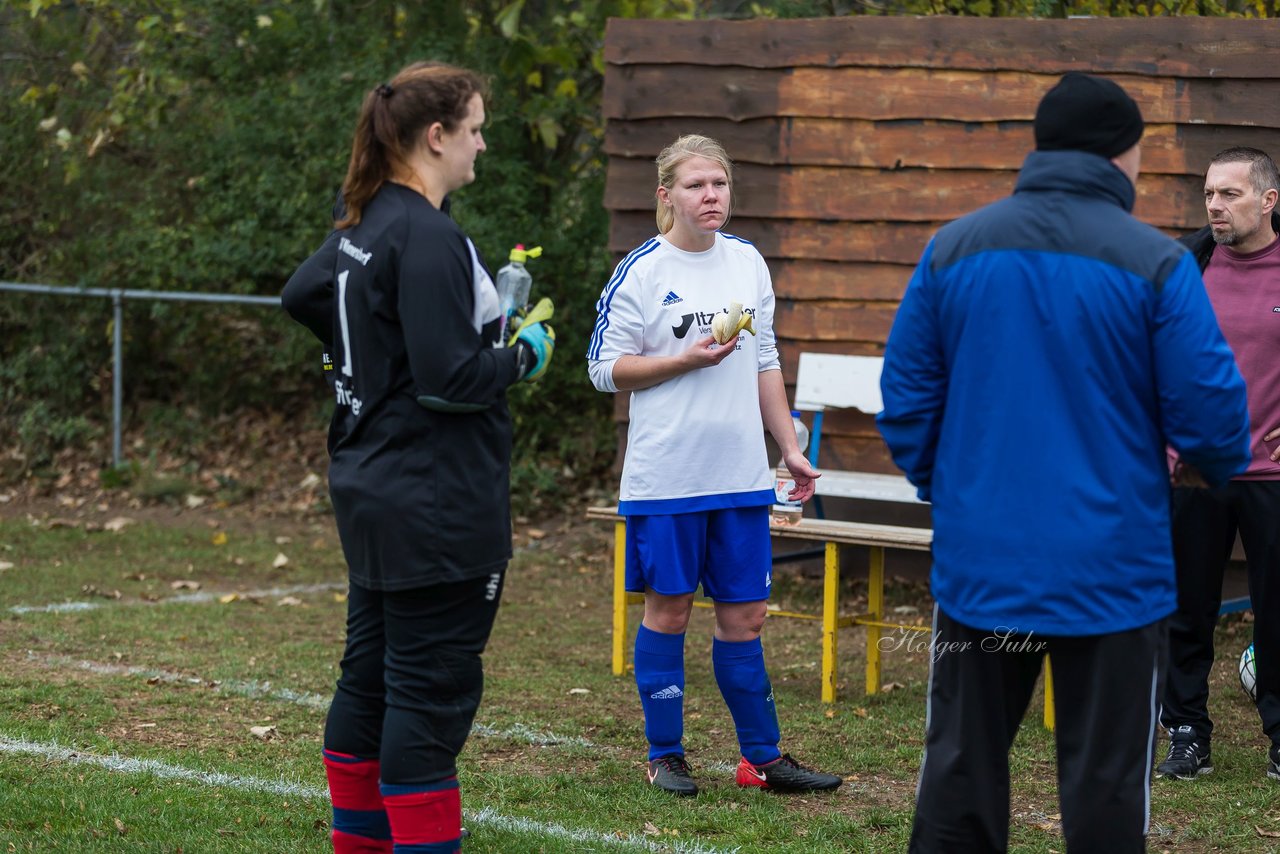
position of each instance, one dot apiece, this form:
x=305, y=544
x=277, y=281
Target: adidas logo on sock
x=671, y=298
x=671, y=692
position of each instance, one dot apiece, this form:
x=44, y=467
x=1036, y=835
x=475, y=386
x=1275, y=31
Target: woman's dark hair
x=392, y=118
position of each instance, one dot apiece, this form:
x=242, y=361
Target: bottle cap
x=520, y=254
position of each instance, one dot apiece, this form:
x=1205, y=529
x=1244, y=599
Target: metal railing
x=117, y=297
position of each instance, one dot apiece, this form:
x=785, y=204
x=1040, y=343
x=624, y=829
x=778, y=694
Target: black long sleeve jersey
x=420, y=441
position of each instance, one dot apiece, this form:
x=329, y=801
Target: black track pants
x=411, y=676
x=1205, y=522
x=980, y=683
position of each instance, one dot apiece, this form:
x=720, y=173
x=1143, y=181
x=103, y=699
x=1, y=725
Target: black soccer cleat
x=784, y=774
x=671, y=774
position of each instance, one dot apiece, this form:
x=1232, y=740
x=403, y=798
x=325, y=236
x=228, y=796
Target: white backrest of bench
x=834, y=381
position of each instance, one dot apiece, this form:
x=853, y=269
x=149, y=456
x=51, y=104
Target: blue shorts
x=726, y=551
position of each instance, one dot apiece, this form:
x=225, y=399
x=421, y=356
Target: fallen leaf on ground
x=579, y=690
x=229, y=598
x=220, y=538
x=891, y=686
x=120, y=826
x=194, y=501
x=281, y=561
x=117, y=524
x=290, y=600
x=263, y=732
x=185, y=584
x=4, y=564
x=1269, y=834
x=536, y=533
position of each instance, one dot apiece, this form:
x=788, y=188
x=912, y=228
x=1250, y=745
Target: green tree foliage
x=168, y=144
x=180, y=145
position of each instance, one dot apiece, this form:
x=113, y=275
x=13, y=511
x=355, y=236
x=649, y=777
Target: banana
x=725, y=326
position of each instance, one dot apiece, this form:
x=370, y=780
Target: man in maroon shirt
x=1239, y=255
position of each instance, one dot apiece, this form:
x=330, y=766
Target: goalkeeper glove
x=534, y=339
x=534, y=342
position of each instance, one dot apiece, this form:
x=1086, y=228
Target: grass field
x=163, y=688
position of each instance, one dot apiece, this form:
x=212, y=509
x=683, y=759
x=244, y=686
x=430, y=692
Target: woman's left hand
x=803, y=474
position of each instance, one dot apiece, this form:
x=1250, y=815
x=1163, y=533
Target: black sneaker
x=1273, y=762
x=784, y=774
x=1186, y=759
x=671, y=774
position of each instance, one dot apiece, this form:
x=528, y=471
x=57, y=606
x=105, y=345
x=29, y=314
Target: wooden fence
x=856, y=138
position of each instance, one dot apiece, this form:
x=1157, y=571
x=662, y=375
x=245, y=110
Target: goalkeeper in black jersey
x=420, y=448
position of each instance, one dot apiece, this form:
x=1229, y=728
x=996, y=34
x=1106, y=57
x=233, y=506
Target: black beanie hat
x=1086, y=113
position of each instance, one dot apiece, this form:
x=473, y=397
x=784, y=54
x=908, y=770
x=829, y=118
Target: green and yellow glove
x=535, y=340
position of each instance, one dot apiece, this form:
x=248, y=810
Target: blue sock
x=660, y=679
x=744, y=684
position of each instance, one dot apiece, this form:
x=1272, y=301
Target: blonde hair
x=689, y=145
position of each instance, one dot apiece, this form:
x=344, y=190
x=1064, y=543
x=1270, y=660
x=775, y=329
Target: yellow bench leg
x=1049, y=711
x=619, y=596
x=875, y=610
x=830, y=617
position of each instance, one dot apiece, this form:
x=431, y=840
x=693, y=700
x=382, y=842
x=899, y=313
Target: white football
x=1248, y=675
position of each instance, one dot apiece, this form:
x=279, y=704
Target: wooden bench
x=827, y=381
x=832, y=535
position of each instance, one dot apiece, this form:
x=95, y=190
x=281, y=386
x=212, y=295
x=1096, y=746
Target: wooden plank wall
x=856, y=138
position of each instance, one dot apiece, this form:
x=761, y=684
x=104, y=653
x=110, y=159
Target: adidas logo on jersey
x=671, y=298
x=671, y=692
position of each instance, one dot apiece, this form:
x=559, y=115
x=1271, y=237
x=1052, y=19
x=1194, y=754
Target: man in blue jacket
x=1047, y=349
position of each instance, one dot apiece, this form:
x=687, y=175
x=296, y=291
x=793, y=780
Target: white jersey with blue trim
x=695, y=442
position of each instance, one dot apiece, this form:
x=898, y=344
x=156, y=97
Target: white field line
x=244, y=688
x=484, y=817
x=265, y=690
x=255, y=689
x=182, y=599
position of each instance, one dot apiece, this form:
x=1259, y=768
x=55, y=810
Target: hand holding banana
x=725, y=326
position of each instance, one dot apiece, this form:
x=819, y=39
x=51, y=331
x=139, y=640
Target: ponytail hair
x=669, y=160
x=393, y=117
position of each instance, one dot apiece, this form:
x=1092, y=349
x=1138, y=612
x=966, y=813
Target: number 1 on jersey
x=342, y=322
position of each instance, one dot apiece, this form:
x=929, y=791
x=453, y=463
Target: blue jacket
x=1047, y=348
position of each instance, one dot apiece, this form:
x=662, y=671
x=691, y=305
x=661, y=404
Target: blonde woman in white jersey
x=696, y=482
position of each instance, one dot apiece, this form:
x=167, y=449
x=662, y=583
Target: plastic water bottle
x=514, y=283
x=787, y=511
